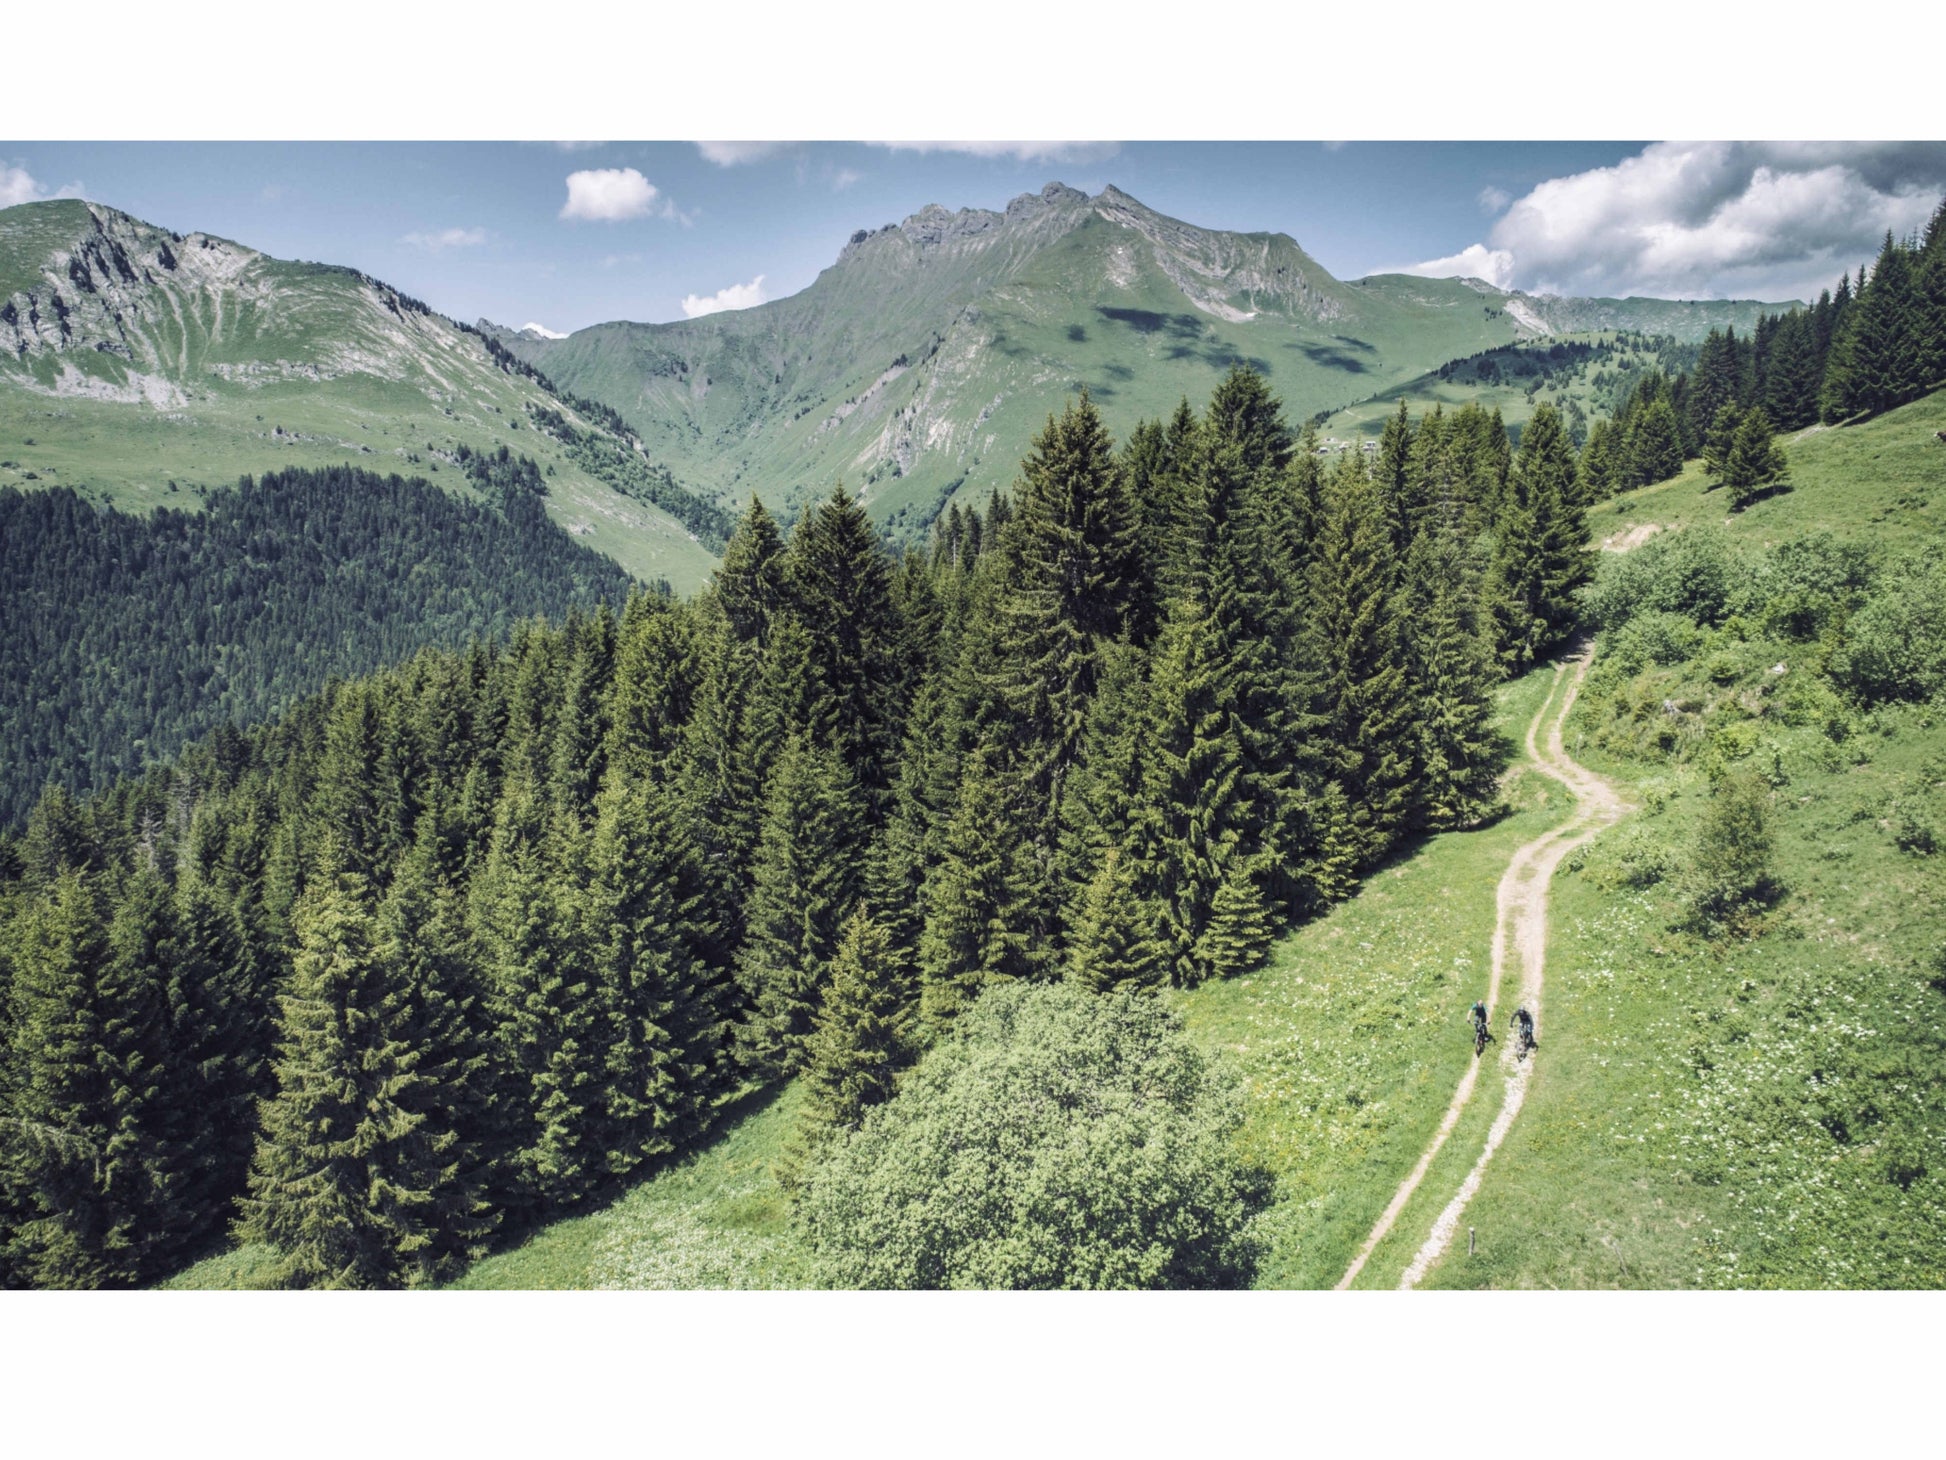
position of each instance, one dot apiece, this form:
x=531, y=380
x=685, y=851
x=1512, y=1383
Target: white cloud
x=609, y=194
x=542, y=330
x=731, y=154
x=1494, y=200
x=1475, y=261
x=843, y=178
x=446, y=238
x=17, y=185
x=735, y=296
x=1018, y=151
x=577, y=146
x=1712, y=220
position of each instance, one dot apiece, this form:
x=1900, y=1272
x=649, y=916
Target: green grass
x=1729, y=1113
x=1353, y=1034
x=717, y=1219
x=1882, y=480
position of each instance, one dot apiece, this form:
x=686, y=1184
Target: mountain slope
x=917, y=363
x=132, y=357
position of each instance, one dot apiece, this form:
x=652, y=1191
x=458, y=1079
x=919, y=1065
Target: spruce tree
x=806, y=882
x=1453, y=676
x=1352, y=636
x=1540, y=557
x=88, y=1062
x=546, y=1009
x=1655, y=445
x=864, y=1034
x=1192, y=839
x=986, y=898
x=645, y=920
x=1755, y=464
x=1113, y=942
x=359, y=1180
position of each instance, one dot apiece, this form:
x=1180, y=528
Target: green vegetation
x=123, y=637
x=216, y=362
x=630, y=847
x=917, y=364
x=1062, y=1139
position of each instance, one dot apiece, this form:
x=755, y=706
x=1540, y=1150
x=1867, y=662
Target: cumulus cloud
x=1692, y=220
x=733, y=296
x=1017, y=151
x=1475, y=261
x=542, y=330
x=17, y=185
x=1494, y=200
x=446, y=238
x=731, y=154
x=609, y=194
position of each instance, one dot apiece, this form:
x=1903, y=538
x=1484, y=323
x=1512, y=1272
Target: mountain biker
x=1523, y=1022
x=1479, y=1015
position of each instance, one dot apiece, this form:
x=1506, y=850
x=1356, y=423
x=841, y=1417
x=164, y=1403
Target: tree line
x=459, y=945
x=124, y=636
x=1862, y=349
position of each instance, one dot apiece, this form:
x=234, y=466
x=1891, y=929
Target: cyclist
x=1479, y=1016
x=1523, y=1023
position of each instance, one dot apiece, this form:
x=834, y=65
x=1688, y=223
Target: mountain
x=919, y=362
x=135, y=360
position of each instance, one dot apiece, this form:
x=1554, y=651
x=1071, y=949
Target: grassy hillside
x=135, y=358
x=918, y=362
x=1882, y=481
x=1587, y=376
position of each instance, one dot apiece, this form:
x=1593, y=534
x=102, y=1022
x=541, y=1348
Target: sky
x=565, y=235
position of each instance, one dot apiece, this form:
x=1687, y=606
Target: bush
x=1692, y=573
x=1061, y=1139
x=1655, y=638
x=1730, y=879
x=1896, y=644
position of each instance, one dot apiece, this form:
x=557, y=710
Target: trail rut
x=1520, y=930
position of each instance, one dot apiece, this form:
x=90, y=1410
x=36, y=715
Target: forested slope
x=537, y=910
x=124, y=636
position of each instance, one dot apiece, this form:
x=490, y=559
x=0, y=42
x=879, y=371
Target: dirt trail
x=1520, y=926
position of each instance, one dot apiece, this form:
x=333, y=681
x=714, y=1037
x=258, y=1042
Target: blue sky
x=478, y=228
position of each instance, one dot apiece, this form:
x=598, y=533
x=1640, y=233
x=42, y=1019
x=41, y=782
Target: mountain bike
x=1481, y=1039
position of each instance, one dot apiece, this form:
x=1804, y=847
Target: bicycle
x=1482, y=1037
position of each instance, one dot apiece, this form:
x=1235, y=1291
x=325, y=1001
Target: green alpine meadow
x=1043, y=745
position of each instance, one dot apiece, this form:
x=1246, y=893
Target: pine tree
x=985, y=898
x=864, y=1034
x=1189, y=843
x=1114, y=942
x=88, y=1062
x=1452, y=673
x=1655, y=445
x=1352, y=636
x=645, y=920
x=1755, y=464
x=357, y=1173
x=807, y=881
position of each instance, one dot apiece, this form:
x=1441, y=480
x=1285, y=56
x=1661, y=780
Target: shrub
x=1896, y=644
x=1693, y=573
x=1655, y=638
x=1061, y=1139
x=1729, y=878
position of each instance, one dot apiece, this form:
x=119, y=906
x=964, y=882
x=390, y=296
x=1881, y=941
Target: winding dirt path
x=1520, y=926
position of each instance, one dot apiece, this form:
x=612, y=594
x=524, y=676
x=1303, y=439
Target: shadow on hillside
x=518, y=1228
